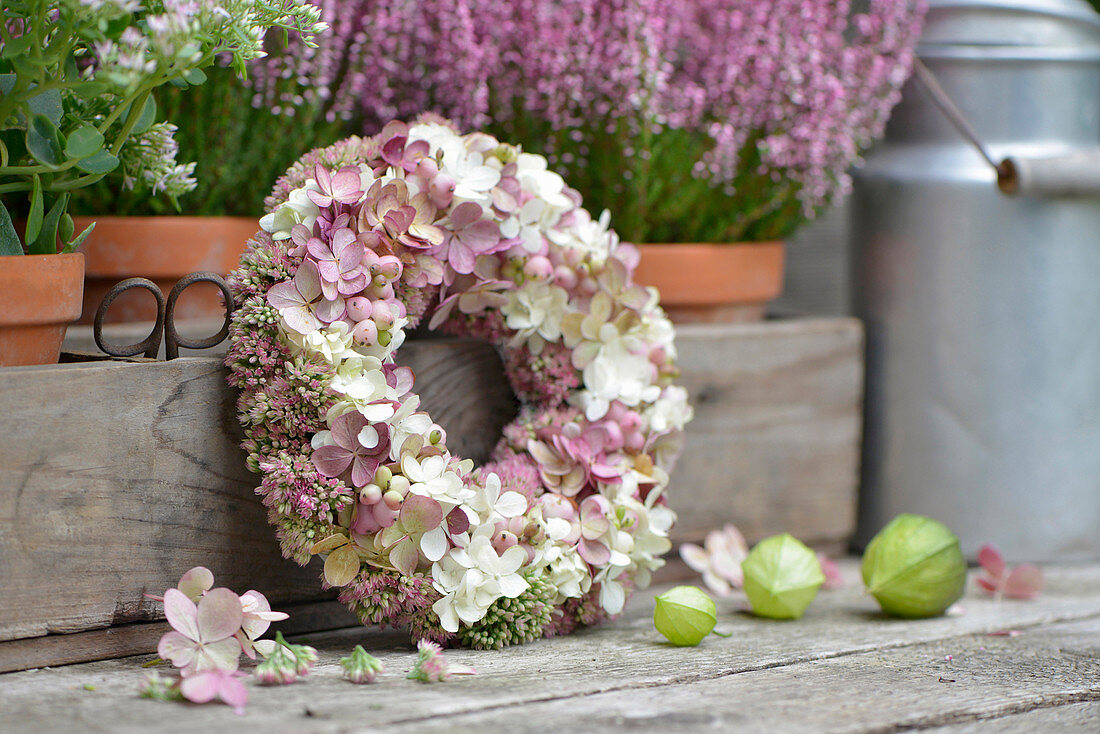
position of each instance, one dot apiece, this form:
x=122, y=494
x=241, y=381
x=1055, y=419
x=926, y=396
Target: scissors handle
x=151, y=344
x=172, y=339
x=165, y=326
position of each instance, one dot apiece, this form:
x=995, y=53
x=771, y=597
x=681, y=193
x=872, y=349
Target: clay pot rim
x=711, y=274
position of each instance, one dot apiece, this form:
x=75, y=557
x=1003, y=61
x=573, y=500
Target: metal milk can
x=978, y=277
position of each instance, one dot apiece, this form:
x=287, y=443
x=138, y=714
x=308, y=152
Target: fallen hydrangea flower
x=361, y=666
x=829, y=567
x=432, y=667
x=719, y=560
x=208, y=685
x=1019, y=582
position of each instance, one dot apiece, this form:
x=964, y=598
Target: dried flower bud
x=685, y=615
x=361, y=666
x=781, y=577
x=432, y=667
x=914, y=567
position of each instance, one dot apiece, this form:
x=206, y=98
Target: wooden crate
x=116, y=477
x=774, y=446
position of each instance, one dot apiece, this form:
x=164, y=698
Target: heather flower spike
x=432, y=667
x=782, y=577
x=1020, y=582
x=361, y=666
x=685, y=615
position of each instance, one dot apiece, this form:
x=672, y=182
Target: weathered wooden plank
x=843, y=667
x=1052, y=718
x=893, y=690
x=775, y=443
x=115, y=478
x=142, y=637
x=774, y=446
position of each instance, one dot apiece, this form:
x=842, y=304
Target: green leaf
x=194, y=77
x=90, y=89
x=685, y=615
x=17, y=46
x=79, y=238
x=101, y=162
x=34, y=217
x=178, y=82
x=147, y=117
x=46, y=244
x=44, y=140
x=47, y=103
x=83, y=142
x=781, y=577
x=9, y=240
x=66, y=227
x=7, y=83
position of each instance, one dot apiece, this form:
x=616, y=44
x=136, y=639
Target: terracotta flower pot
x=163, y=249
x=713, y=282
x=39, y=298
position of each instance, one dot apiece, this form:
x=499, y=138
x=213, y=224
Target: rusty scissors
x=165, y=326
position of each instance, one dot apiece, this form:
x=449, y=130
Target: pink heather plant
x=696, y=120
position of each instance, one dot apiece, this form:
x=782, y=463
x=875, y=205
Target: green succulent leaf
x=781, y=577
x=46, y=242
x=194, y=77
x=79, y=240
x=44, y=140
x=101, y=162
x=9, y=239
x=7, y=83
x=34, y=216
x=147, y=117
x=83, y=142
x=17, y=46
x=66, y=227
x=90, y=89
x=685, y=615
x=914, y=567
x=48, y=104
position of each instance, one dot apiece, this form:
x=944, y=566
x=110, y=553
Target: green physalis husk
x=685, y=615
x=782, y=577
x=914, y=567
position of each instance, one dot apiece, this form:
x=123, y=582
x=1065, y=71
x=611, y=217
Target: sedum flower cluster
x=372, y=237
x=695, y=120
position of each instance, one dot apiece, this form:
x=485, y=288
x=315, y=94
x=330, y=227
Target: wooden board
x=774, y=446
x=843, y=667
x=117, y=477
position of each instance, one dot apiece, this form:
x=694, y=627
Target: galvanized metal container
x=983, y=310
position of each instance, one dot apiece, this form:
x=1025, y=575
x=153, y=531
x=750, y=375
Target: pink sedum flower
x=203, y=634
x=432, y=667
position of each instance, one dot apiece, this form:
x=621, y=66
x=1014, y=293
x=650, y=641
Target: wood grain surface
x=116, y=477
x=774, y=446
x=842, y=668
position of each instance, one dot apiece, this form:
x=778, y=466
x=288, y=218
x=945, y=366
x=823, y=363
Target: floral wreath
x=363, y=241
